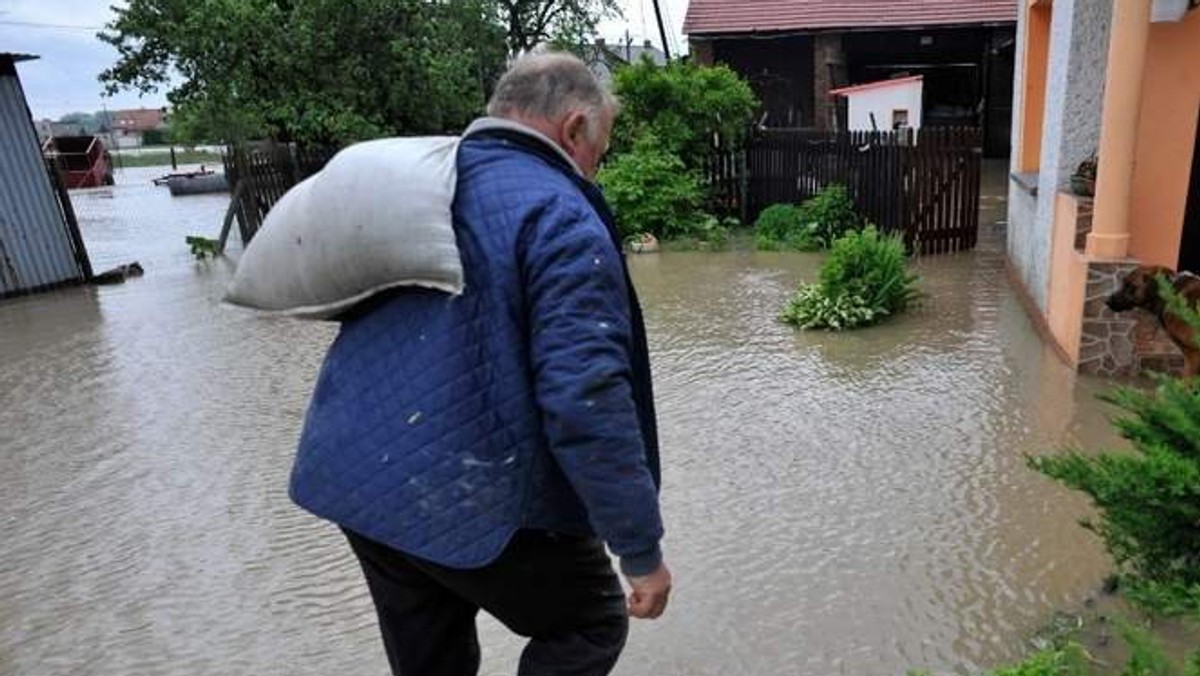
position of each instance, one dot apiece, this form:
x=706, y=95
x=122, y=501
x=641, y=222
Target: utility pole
x=662, y=31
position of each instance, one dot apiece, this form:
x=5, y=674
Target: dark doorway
x=968, y=74
x=780, y=70
x=1189, y=244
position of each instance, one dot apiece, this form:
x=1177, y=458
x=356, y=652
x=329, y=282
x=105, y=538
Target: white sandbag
x=376, y=217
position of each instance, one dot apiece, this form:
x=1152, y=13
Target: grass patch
x=163, y=159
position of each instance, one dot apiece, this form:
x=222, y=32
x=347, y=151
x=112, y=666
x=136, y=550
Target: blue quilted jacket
x=441, y=425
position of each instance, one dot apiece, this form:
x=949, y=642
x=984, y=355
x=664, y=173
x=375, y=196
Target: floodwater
x=836, y=503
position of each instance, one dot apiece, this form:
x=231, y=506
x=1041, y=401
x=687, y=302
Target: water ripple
x=852, y=504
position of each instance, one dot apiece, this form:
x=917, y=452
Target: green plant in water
x=1066, y=660
x=831, y=213
x=812, y=226
x=1146, y=656
x=872, y=265
x=781, y=227
x=812, y=308
x=203, y=247
x=864, y=279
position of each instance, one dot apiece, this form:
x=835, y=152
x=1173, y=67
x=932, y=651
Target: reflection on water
x=853, y=503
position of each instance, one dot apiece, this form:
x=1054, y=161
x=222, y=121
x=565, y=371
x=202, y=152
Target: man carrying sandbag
x=479, y=450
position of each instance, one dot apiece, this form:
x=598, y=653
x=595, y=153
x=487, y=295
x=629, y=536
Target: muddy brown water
x=836, y=503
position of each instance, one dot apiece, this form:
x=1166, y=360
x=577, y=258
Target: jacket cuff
x=642, y=563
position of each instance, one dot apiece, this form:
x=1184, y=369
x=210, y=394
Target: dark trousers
x=559, y=591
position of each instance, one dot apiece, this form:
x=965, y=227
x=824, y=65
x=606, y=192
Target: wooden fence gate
x=260, y=174
x=923, y=184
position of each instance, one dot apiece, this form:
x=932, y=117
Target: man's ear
x=574, y=130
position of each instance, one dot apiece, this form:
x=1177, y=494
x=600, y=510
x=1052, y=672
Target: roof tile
x=752, y=16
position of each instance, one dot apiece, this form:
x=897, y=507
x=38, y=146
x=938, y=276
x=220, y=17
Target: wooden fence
x=262, y=173
x=925, y=185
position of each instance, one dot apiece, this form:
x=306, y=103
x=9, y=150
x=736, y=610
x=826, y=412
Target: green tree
x=652, y=192
x=322, y=71
x=685, y=106
x=86, y=121
x=566, y=23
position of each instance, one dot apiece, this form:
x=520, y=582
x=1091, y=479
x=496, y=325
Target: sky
x=63, y=34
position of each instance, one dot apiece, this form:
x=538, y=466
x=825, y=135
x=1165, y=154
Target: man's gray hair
x=551, y=85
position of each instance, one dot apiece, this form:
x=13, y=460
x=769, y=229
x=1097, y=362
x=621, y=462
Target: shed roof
x=710, y=17
x=879, y=84
x=17, y=57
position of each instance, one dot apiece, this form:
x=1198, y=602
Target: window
x=900, y=118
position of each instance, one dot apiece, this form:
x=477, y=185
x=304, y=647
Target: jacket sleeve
x=579, y=327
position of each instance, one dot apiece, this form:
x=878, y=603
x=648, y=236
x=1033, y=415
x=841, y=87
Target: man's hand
x=648, y=593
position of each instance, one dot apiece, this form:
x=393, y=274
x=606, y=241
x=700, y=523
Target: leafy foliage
x=564, y=23
x=651, y=191
x=1149, y=501
x=873, y=265
x=813, y=225
x=1176, y=303
x=1146, y=657
x=782, y=226
x=683, y=105
x=864, y=279
x=321, y=71
x=831, y=212
x=813, y=308
x=1067, y=660
x=203, y=247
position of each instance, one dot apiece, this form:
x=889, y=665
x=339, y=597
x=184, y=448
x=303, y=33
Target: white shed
x=894, y=104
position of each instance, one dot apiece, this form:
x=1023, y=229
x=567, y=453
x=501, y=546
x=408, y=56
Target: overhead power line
x=51, y=26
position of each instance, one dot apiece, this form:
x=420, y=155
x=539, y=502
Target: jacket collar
x=497, y=126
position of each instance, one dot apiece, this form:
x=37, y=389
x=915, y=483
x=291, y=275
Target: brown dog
x=1140, y=289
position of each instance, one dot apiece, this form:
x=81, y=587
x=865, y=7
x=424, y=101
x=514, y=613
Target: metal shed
x=40, y=245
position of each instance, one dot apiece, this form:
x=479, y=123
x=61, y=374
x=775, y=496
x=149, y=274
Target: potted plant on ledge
x=1083, y=181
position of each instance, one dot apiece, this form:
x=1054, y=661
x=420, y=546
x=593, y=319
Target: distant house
x=49, y=129
x=132, y=128
x=1119, y=80
x=604, y=59
x=795, y=52
x=39, y=248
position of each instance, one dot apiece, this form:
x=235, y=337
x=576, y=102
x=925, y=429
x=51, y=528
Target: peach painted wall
x=1166, y=138
x=1068, y=279
x=1037, y=58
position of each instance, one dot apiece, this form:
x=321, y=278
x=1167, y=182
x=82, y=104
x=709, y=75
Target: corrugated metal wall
x=35, y=245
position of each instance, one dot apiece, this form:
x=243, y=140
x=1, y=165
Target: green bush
x=1067, y=660
x=832, y=214
x=813, y=225
x=813, y=308
x=873, y=265
x=781, y=226
x=1149, y=501
x=864, y=279
x=651, y=191
x=683, y=105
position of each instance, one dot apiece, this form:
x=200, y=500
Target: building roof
x=707, y=17
x=16, y=58
x=879, y=84
x=633, y=53
x=139, y=119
